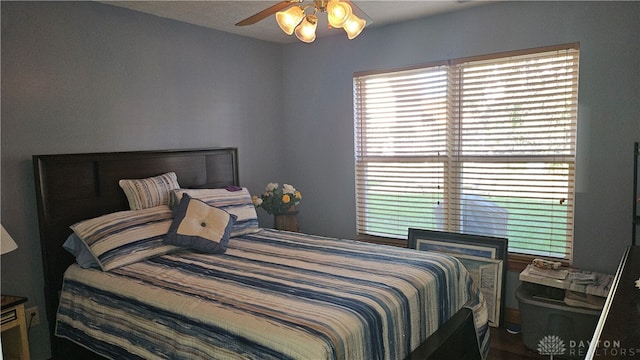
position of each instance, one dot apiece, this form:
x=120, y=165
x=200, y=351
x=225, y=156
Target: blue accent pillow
x=200, y=226
x=77, y=248
x=237, y=202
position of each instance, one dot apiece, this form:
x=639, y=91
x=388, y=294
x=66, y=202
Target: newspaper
x=588, y=301
x=550, y=273
x=585, y=282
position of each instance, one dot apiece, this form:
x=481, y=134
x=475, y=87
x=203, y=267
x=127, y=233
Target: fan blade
x=264, y=13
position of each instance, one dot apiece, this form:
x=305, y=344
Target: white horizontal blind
x=481, y=146
x=401, y=129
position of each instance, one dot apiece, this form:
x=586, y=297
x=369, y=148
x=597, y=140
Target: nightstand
x=15, y=344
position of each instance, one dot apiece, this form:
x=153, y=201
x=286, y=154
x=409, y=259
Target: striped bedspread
x=272, y=295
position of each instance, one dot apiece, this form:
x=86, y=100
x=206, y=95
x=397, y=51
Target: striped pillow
x=236, y=203
x=149, y=192
x=125, y=237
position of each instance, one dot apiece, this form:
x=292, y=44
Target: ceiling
x=222, y=15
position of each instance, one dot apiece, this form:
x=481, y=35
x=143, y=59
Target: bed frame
x=75, y=187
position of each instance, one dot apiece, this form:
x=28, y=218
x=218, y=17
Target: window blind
x=482, y=146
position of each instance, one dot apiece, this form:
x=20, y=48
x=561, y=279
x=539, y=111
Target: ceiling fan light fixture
x=338, y=12
x=293, y=18
x=354, y=26
x=306, y=31
x=289, y=19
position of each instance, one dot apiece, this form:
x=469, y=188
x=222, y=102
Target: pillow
x=200, y=226
x=236, y=203
x=149, y=192
x=125, y=237
x=77, y=248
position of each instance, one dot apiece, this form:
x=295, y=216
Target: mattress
x=272, y=295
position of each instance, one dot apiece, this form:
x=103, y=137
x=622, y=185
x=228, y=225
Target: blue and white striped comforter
x=272, y=295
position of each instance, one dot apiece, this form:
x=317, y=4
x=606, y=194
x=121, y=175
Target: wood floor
x=509, y=346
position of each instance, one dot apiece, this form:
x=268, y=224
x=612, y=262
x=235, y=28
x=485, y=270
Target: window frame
x=517, y=260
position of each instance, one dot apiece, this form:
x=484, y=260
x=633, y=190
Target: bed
x=271, y=294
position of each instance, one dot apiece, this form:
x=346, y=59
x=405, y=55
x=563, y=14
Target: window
x=483, y=145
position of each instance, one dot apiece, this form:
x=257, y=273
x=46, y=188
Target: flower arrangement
x=276, y=200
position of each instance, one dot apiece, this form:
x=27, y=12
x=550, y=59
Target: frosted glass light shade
x=289, y=19
x=306, y=31
x=354, y=26
x=338, y=13
x=6, y=242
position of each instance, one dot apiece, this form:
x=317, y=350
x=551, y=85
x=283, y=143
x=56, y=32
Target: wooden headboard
x=75, y=187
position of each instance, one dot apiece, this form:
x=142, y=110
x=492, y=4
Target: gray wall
x=609, y=110
x=87, y=77
x=84, y=77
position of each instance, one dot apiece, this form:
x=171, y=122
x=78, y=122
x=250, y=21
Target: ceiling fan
x=301, y=19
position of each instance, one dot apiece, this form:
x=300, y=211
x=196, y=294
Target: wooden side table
x=15, y=344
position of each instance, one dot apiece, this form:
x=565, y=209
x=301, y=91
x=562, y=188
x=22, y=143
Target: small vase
x=286, y=221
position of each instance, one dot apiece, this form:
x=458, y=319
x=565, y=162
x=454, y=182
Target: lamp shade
x=306, y=31
x=354, y=26
x=338, y=13
x=6, y=242
x=289, y=19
